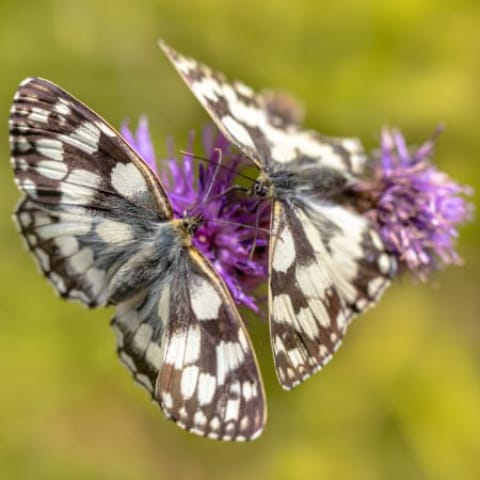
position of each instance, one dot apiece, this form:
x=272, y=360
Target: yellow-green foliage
x=401, y=399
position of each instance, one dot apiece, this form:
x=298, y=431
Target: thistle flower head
x=141, y=142
x=228, y=232
x=416, y=207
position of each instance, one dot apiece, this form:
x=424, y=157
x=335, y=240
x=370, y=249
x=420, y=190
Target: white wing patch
x=205, y=299
x=51, y=149
x=85, y=137
x=238, y=131
x=284, y=256
x=51, y=169
x=128, y=181
x=112, y=231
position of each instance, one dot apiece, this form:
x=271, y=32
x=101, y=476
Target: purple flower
x=229, y=230
x=415, y=206
x=141, y=142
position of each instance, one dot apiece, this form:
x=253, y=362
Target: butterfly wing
x=88, y=196
x=101, y=228
x=360, y=265
x=187, y=344
x=263, y=128
x=326, y=265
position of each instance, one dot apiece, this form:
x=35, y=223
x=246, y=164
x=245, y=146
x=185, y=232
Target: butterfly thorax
x=283, y=182
x=306, y=179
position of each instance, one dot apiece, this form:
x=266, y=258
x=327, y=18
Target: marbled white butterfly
x=326, y=263
x=101, y=228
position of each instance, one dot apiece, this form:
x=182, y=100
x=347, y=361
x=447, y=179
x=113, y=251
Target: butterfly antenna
x=211, y=182
x=218, y=165
x=244, y=225
x=257, y=221
x=204, y=159
x=215, y=173
x=231, y=188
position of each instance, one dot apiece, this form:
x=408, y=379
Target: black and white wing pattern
x=327, y=264
x=101, y=228
x=88, y=197
x=184, y=341
x=262, y=127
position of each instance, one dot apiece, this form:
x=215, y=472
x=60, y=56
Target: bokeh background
x=402, y=397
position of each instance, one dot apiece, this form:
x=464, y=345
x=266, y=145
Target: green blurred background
x=402, y=397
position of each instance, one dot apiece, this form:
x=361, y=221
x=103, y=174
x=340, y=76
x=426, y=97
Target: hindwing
x=184, y=341
x=326, y=266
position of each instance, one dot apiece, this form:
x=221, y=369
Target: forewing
x=318, y=281
x=264, y=127
x=188, y=346
x=89, y=197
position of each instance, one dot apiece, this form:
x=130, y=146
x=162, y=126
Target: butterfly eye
x=194, y=224
x=259, y=189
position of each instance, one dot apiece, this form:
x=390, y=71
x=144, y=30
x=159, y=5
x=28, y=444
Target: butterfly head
x=262, y=187
x=190, y=224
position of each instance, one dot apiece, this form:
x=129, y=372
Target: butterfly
x=100, y=226
x=326, y=263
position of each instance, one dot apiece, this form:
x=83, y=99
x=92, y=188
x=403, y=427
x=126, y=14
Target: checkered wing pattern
x=264, y=126
x=326, y=266
x=88, y=196
x=203, y=373
x=101, y=228
x=326, y=262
